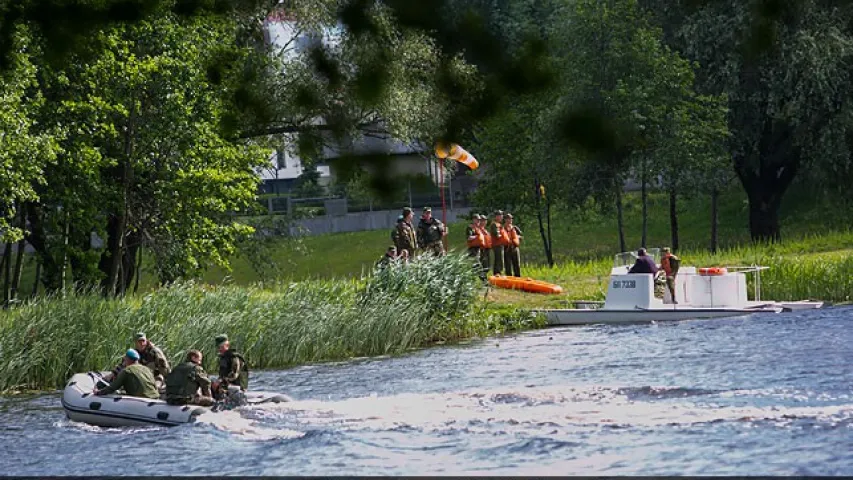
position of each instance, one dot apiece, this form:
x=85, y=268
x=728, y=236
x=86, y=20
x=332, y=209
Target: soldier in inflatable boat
x=188, y=383
x=233, y=378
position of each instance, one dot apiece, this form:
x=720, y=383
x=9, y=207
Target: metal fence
x=341, y=205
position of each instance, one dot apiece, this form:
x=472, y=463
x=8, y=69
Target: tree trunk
x=715, y=197
x=36, y=280
x=108, y=263
x=114, y=284
x=128, y=262
x=7, y=274
x=3, y=263
x=764, y=219
x=49, y=271
x=767, y=174
x=19, y=268
x=64, y=267
x=546, y=240
x=645, y=200
x=138, y=270
x=19, y=262
x=619, y=220
x=673, y=218
x=550, y=252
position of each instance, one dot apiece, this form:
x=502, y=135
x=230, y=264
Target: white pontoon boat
x=700, y=293
x=114, y=410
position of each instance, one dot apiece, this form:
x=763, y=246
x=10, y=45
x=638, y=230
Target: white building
x=285, y=166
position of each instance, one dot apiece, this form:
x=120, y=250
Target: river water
x=758, y=395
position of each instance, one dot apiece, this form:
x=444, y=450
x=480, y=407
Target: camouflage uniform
x=496, y=232
x=430, y=236
x=486, y=259
x=405, y=239
x=183, y=385
x=154, y=358
x=476, y=252
x=136, y=380
x=472, y=231
x=512, y=257
x=233, y=370
x=386, y=260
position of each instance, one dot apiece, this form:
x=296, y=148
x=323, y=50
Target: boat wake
x=558, y=407
x=246, y=428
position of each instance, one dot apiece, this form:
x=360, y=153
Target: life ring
x=713, y=271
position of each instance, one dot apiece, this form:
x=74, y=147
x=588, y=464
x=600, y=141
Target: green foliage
x=24, y=151
x=144, y=161
x=613, y=64
x=788, y=90
x=288, y=324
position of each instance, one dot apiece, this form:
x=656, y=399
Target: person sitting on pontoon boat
x=644, y=263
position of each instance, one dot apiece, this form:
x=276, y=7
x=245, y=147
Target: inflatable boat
x=525, y=284
x=116, y=410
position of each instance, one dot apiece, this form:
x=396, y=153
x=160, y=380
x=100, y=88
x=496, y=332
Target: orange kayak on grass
x=526, y=284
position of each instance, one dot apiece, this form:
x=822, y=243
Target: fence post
x=269, y=205
x=289, y=206
x=410, y=195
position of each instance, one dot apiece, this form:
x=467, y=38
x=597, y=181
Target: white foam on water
x=544, y=407
x=232, y=422
x=66, y=423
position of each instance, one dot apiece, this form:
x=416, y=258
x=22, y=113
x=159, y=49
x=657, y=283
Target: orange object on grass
x=526, y=284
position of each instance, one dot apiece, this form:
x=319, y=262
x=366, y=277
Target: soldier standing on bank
x=486, y=249
x=474, y=237
x=404, y=235
x=476, y=241
x=496, y=233
x=431, y=232
x=512, y=254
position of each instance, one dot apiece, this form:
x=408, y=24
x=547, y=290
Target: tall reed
x=389, y=311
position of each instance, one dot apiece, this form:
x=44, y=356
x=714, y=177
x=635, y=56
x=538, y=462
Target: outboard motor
x=233, y=398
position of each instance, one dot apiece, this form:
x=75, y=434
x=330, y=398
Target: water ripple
x=762, y=395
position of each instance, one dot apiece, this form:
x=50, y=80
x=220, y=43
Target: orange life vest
x=511, y=235
x=478, y=241
x=487, y=239
x=500, y=239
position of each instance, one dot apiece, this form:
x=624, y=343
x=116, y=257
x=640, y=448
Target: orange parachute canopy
x=455, y=152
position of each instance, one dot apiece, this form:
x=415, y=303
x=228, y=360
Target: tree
x=786, y=87
x=24, y=151
x=24, y=154
x=148, y=163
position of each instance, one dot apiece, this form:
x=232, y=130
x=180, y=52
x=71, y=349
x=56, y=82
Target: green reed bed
x=387, y=312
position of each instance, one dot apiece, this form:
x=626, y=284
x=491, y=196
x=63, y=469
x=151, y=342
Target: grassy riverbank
x=397, y=310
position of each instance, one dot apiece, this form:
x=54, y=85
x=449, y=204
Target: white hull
x=801, y=305
x=558, y=317
x=125, y=411
x=696, y=294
